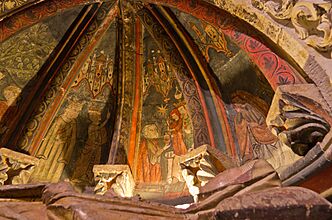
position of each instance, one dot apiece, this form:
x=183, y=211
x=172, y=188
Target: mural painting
x=21, y=57
x=245, y=92
x=140, y=101
x=215, y=46
x=166, y=132
x=83, y=126
x=255, y=139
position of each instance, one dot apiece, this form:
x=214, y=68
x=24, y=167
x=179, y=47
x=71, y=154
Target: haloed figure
x=254, y=137
x=8, y=107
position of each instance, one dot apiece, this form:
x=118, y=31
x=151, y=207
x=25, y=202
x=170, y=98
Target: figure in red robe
x=148, y=169
x=254, y=138
x=175, y=126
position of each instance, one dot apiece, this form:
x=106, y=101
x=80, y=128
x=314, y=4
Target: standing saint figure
x=148, y=169
x=91, y=153
x=56, y=149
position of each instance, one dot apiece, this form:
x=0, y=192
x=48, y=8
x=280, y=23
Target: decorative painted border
x=34, y=14
x=276, y=70
x=43, y=114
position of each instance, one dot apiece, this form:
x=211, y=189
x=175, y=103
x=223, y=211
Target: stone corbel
x=114, y=177
x=299, y=117
x=308, y=18
x=15, y=168
x=201, y=165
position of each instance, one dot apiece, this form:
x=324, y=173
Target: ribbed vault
x=138, y=83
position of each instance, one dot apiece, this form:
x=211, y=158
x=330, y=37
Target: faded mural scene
x=245, y=92
x=166, y=128
x=79, y=136
x=165, y=109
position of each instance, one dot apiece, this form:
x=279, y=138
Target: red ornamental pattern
x=276, y=70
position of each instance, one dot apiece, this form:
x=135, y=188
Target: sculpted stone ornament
x=201, y=165
x=15, y=168
x=299, y=117
x=308, y=18
x=114, y=177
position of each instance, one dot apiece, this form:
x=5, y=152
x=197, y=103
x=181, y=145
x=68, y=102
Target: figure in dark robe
x=91, y=153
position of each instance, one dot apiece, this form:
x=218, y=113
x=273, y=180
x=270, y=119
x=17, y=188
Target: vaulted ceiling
x=119, y=82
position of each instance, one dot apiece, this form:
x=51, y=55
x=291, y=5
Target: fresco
x=245, y=92
x=80, y=134
x=166, y=129
x=21, y=57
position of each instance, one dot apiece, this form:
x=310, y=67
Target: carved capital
x=299, y=117
x=201, y=165
x=15, y=168
x=115, y=177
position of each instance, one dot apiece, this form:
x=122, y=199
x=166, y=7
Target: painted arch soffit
x=243, y=9
x=258, y=17
x=309, y=63
x=282, y=65
x=8, y=6
x=21, y=60
x=30, y=14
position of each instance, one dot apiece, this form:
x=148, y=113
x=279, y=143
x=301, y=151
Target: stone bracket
x=15, y=167
x=115, y=177
x=201, y=165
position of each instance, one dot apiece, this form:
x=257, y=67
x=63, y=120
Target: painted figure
x=148, y=169
x=91, y=153
x=175, y=126
x=254, y=137
x=57, y=147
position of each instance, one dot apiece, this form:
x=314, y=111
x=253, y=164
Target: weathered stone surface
x=115, y=177
x=60, y=201
x=278, y=203
x=299, y=116
x=15, y=167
